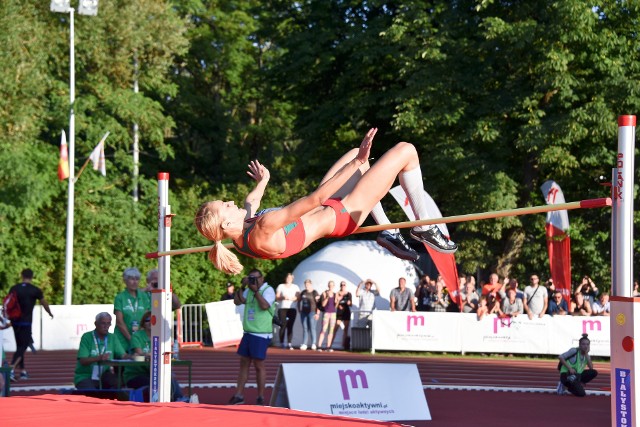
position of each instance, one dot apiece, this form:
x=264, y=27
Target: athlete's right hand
x=257, y=171
x=365, y=146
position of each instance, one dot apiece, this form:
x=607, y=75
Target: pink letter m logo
x=590, y=325
x=415, y=320
x=353, y=376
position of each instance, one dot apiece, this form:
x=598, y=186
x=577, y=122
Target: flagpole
x=68, y=266
x=86, y=162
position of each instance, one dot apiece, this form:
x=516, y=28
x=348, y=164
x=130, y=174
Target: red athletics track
x=459, y=391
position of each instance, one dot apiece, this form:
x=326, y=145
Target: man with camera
x=588, y=289
x=259, y=306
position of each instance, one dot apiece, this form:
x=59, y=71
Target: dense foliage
x=498, y=96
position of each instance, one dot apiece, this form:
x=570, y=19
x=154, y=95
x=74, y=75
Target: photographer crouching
x=259, y=306
x=573, y=368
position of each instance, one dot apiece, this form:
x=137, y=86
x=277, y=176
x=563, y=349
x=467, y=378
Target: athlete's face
x=227, y=211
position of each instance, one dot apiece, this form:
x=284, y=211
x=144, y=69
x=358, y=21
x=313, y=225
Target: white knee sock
x=411, y=182
x=381, y=218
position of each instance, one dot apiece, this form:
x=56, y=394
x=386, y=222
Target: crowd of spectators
x=331, y=308
x=506, y=298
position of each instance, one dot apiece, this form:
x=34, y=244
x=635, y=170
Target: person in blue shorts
x=259, y=307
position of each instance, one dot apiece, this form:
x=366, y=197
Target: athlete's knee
x=406, y=148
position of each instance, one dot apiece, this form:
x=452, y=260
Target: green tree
x=510, y=97
x=110, y=232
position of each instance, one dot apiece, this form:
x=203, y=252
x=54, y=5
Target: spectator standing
x=536, y=299
x=129, y=306
x=28, y=294
x=440, y=299
x=493, y=285
x=601, y=307
x=287, y=295
x=152, y=283
x=343, y=313
x=230, y=291
x=469, y=298
x=573, y=374
x=580, y=306
x=471, y=279
x=423, y=294
x=636, y=289
x=309, y=314
x=483, y=309
x=557, y=305
x=328, y=301
x=511, y=284
x=551, y=287
x=493, y=305
x=512, y=305
x=462, y=281
x=97, y=346
x=401, y=298
x=588, y=289
x=259, y=307
x=367, y=291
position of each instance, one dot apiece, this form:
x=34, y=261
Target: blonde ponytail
x=208, y=224
x=224, y=260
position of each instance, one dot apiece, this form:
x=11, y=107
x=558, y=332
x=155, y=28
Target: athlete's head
x=214, y=220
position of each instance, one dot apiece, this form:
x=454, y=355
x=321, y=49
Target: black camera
x=252, y=280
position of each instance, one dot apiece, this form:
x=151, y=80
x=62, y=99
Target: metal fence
x=191, y=318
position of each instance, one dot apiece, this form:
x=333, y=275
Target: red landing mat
x=57, y=411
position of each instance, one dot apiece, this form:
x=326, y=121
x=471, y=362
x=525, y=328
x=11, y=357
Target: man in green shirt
x=259, y=307
x=129, y=306
x=97, y=346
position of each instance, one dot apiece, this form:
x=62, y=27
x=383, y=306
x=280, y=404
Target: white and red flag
x=97, y=157
x=558, y=240
x=445, y=263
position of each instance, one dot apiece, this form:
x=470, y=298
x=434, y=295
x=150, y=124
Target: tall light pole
x=136, y=146
x=85, y=7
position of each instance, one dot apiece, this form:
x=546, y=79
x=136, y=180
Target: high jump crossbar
x=583, y=204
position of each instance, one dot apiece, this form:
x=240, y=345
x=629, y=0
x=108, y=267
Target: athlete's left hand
x=258, y=172
x=365, y=146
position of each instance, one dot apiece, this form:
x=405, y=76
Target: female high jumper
x=348, y=193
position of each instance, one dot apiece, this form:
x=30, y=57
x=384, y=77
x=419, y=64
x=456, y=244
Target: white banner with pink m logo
x=375, y=391
x=459, y=332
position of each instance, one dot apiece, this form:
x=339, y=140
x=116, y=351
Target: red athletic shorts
x=345, y=225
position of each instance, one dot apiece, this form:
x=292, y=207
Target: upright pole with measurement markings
x=161, y=315
x=624, y=322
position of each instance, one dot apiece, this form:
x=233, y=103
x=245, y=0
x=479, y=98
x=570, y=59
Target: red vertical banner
x=445, y=263
x=559, y=247
x=558, y=240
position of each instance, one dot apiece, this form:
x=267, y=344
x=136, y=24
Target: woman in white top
x=287, y=294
